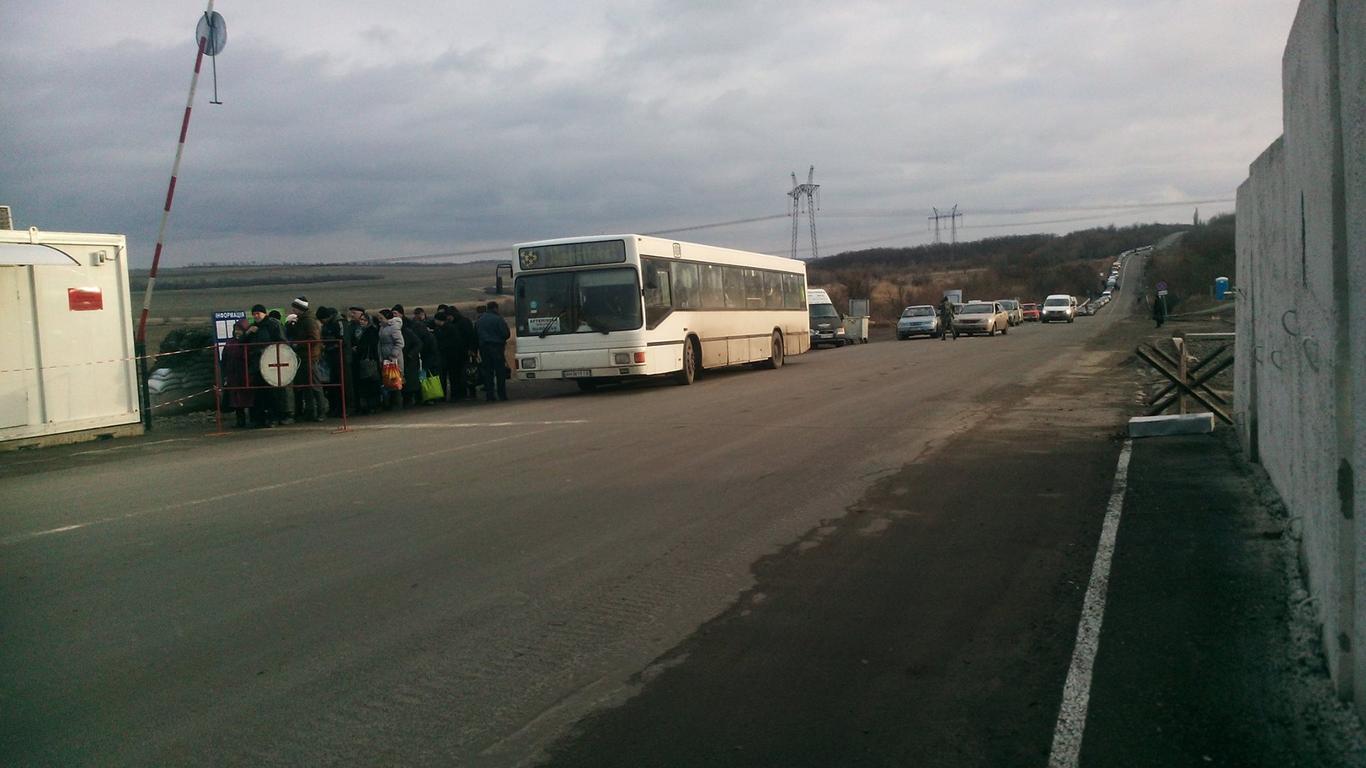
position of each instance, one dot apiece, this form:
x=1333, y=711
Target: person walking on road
x=1160, y=310
x=945, y=318
x=493, y=337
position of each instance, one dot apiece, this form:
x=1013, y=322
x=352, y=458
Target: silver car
x=919, y=320
x=981, y=317
x=1013, y=311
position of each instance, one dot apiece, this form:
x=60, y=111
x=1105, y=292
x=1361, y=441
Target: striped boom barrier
x=170, y=189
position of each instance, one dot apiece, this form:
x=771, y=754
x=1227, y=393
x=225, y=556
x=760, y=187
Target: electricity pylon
x=810, y=191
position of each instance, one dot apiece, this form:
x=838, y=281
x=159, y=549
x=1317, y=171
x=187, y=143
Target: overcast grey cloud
x=349, y=132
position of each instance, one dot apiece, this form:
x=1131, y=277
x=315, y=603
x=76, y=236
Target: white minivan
x=1059, y=306
x=827, y=325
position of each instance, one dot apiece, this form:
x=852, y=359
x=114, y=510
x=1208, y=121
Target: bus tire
x=688, y=373
x=775, y=358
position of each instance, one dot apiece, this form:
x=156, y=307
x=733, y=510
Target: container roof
x=26, y=254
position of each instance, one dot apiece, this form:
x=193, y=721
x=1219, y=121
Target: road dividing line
x=468, y=424
x=1076, y=692
x=22, y=537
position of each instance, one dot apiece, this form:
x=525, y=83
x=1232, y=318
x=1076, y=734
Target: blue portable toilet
x=1220, y=288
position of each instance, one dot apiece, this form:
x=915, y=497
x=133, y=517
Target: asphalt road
x=649, y=575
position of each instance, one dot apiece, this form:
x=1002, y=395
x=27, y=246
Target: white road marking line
x=1076, y=692
x=469, y=424
x=22, y=537
x=127, y=447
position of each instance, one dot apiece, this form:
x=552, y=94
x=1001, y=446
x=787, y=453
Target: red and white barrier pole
x=170, y=190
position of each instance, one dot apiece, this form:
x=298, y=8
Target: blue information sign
x=222, y=327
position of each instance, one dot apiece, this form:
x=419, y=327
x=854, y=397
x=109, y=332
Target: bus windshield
x=594, y=301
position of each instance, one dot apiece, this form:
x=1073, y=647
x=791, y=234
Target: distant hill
x=1025, y=266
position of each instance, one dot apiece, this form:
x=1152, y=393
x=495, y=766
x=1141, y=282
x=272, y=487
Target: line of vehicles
x=614, y=307
x=984, y=317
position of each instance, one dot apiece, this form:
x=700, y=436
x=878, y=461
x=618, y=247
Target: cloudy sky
x=348, y=132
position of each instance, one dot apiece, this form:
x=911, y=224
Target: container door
x=16, y=345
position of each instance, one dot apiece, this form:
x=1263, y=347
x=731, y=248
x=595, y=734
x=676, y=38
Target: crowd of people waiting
x=386, y=360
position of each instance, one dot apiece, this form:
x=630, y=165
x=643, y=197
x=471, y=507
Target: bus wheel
x=775, y=360
x=688, y=373
x=587, y=385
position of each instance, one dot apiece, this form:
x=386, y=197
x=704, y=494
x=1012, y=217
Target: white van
x=1059, y=306
x=827, y=325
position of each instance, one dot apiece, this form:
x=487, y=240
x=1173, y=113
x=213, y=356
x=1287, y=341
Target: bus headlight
x=527, y=363
x=621, y=358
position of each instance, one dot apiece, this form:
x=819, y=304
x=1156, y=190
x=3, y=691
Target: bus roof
x=693, y=251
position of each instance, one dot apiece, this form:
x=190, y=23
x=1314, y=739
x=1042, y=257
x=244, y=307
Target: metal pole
x=217, y=388
x=175, y=171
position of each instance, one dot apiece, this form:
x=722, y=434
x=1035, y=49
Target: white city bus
x=601, y=308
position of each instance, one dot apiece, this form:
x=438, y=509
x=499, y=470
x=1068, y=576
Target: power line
x=856, y=213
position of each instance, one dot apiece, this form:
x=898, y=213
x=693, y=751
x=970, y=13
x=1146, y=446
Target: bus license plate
x=577, y=373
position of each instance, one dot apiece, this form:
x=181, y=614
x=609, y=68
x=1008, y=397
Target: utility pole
x=953, y=216
x=810, y=191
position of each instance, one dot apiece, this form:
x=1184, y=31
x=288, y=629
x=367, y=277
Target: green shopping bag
x=431, y=387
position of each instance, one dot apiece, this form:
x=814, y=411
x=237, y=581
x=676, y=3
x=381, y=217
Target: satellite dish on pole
x=214, y=30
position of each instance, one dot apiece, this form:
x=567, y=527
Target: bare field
x=191, y=293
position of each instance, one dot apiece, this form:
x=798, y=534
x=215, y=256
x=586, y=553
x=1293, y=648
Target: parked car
x=981, y=317
x=1013, y=312
x=1059, y=306
x=1030, y=312
x=827, y=324
x=919, y=320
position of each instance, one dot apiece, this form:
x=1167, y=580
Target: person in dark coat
x=493, y=336
x=452, y=367
x=365, y=384
x=1159, y=310
x=235, y=367
x=945, y=318
x=267, y=329
x=467, y=343
x=331, y=358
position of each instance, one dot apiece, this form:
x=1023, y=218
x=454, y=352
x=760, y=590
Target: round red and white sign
x=279, y=364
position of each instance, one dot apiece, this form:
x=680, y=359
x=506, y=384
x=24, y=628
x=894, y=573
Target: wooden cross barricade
x=1185, y=381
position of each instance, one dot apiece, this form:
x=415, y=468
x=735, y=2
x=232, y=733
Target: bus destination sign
x=572, y=255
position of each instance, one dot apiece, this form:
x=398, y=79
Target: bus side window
x=658, y=296
x=754, y=289
x=713, y=290
x=735, y=287
x=794, y=291
x=773, y=290
x=686, y=288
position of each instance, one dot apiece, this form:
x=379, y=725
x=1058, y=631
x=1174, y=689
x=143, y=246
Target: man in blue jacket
x=493, y=336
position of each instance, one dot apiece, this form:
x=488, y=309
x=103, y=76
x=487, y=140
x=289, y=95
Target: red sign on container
x=84, y=299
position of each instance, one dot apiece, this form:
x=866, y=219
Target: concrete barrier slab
x=1160, y=426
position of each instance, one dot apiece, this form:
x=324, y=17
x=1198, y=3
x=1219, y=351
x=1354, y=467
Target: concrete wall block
x=1246, y=244
x=1351, y=25
x=1314, y=176
x=1271, y=297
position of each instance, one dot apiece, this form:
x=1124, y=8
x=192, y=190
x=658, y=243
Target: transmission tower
x=953, y=216
x=812, y=192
